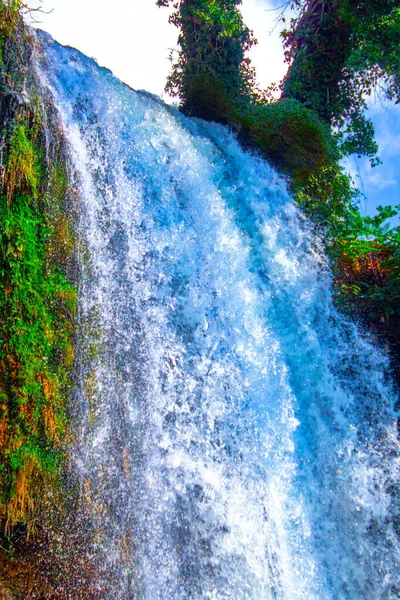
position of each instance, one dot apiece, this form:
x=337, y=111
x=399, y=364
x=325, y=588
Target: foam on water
x=236, y=435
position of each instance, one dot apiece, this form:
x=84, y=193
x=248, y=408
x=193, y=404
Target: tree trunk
x=321, y=46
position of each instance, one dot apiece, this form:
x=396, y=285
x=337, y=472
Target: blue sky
x=134, y=38
x=380, y=184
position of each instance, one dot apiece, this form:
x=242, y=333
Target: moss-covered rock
x=38, y=299
x=292, y=136
x=45, y=536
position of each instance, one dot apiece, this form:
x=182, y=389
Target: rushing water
x=236, y=437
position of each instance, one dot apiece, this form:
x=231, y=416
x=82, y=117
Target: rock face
x=43, y=544
x=52, y=564
x=5, y=593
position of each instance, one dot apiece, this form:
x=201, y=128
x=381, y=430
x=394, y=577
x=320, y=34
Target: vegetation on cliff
x=211, y=62
x=45, y=535
x=38, y=300
x=215, y=81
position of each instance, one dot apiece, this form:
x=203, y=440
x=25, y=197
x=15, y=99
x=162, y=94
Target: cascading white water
x=237, y=437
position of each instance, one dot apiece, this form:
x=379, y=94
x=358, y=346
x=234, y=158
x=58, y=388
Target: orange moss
x=27, y=481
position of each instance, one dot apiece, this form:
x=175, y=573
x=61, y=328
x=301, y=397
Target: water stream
x=235, y=436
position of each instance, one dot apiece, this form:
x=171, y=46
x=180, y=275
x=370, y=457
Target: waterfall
x=235, y=436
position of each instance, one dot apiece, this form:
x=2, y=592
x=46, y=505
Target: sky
x=134, y=40
x=381, y=184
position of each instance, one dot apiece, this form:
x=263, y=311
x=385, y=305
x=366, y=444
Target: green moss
x=38, y=302
x=37, y=352
x=23, y=165
x=289, y=134
x=8, y=17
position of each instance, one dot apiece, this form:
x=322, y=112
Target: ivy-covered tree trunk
x=339, y=50
x=211, y=74
x=320, y=46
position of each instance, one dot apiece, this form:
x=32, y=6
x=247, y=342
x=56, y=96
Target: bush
x=292, y=136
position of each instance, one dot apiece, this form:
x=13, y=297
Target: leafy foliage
x=339, y=52
x=365, y=251
x=292, y=136
x=211, y=63
x=367, y=259
x=214, y=80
